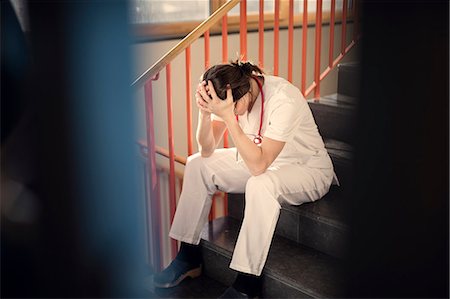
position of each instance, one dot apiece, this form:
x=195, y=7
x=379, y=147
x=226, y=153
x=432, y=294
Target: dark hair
x=236, y=73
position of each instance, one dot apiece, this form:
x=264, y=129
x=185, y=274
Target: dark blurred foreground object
x=400, y=228
x=70, y=212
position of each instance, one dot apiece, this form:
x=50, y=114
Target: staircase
x=308, y=251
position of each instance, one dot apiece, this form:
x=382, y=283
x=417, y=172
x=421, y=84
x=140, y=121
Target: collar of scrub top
x=258, y=138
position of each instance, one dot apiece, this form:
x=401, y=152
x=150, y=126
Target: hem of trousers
x=245, y=269
x=190, y=240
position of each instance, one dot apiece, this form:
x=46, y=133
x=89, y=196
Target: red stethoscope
x=258, y=138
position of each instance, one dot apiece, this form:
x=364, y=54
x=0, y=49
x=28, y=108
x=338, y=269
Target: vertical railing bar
x=224, y=39
x=290, y=39
x=318, y=48
x=276, y=37
x=188, y=101
x=172, y=194
x=159, y=220
x=225, y=204
x=261, y=34
x=153, y=176
x=344, y=27
x=224, y=60
x=151, y=239
x=180, y=184
x=207, y=60
x=207, y=56
x=304, y=45
x=212, y=213
x=243, y=29
x=225, y=139
x=332, y=20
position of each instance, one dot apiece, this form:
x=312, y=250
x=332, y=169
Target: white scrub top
x=287, y=117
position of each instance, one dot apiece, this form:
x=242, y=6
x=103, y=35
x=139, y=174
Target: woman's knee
x=198, y=164
x=195, y=160
x=263, y=185
x=260, y=182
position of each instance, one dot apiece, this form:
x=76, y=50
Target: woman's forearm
x=204, y=135
x=249, y=151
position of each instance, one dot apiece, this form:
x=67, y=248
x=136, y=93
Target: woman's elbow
x=255, y=171
x=206, y=154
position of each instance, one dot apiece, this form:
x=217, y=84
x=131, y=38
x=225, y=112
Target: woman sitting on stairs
x=279, y=157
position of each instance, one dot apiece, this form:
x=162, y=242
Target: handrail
x=184, y=43
x=160, y=151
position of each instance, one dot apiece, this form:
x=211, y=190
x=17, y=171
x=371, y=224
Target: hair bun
x=247, y=68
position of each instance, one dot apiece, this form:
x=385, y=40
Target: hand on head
x=208, y=101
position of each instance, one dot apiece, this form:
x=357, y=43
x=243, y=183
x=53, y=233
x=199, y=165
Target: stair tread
x=310, y=271
x=333, y=102
x=200, y=287
x=339, y=149
x=350, y=65
x=340, y=99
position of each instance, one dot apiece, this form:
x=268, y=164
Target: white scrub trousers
x=292, y=183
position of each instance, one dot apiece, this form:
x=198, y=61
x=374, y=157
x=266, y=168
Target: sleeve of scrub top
x=284, y=120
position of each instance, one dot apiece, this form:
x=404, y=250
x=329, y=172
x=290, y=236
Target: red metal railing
x=332, y=20
x=172, y=198
x=318, y=47
x=276, y=37
x=152, y=191
x=261, y=34
x=190, y=149
x=290, y=39
x=304, y=45
x=151, y=74
x=243, y=28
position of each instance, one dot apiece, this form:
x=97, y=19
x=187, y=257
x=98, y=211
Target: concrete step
x=349, y=74
x=291, y=271
x=335, y=116
x=320, y=225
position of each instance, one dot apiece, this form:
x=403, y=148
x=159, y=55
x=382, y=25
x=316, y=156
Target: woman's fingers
x=199, y=99
x=201, y=103
x=211, y=89
x=204, y=93
x=229, y=93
